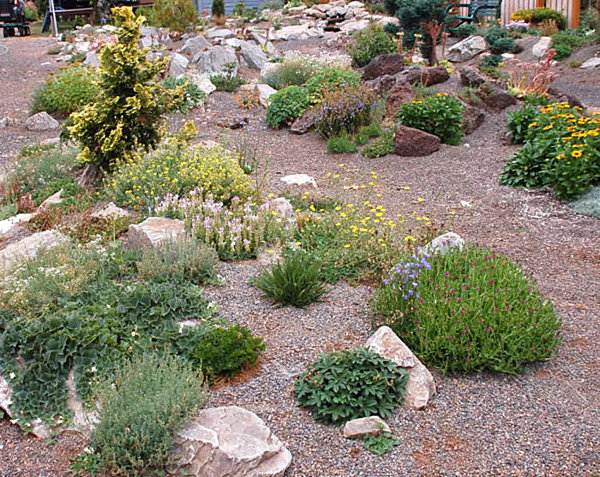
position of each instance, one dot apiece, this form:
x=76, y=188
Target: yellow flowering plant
x=176, y=169
x=561, y=151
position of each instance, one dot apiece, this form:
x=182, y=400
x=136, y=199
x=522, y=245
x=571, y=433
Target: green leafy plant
x=193, y=95
x=381, y=146
x=341, y=145
x=329, y=80
x=226, y=351
x=294, y=281
x=152, y=397
x=460, y=312
x=380, y=444
x=369, y=43
x=345, y=111
x=66, y=91
x=439, y=114
x=287, y=105
x=519, y=120
x=539, y=15
x=228, y=81
x=183, y=260
x=365, y=133
x=177, y=15
x=126, y=117
x=560, y=151
x=564, y=42
x=346, y=385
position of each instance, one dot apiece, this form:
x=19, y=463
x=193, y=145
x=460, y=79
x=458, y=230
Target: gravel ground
x=543, y=423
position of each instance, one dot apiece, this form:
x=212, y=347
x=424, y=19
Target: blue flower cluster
x=404, y=276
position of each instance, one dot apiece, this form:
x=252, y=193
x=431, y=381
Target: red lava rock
x=388, y=64
x=414, y=142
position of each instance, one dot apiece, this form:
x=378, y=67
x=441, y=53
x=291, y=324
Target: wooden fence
x=569, y=8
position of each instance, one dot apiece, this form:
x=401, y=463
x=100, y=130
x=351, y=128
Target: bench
x=476, y=8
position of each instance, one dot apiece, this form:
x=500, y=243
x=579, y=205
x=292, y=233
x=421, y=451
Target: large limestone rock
x=421, y=386
x=413, y=142
x=296, y=32
x=110, y=212
x=253, y=55
x=216, y=60
x=264, y=93
x=41, y=122
x=591, y=63
x=352, y=26
x=299, y=180
x=365, y=426
x=542, y=46
x=29, y=247
x=7, y=225
x=228, y=441
x=155, y=231
x=178, y=65
x=194, y=45
x=444, y=243
x=388, y=64
x=466, y=49
x=202, y=81
x=219, y=33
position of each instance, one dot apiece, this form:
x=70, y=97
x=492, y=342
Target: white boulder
x=264, y=93
x=29, y=247
x=178, y=65
x=444, y=243
x=155, y=231
x=466, y=49
x=365, y=426
x=541, y=47
x=421, y=386
x=41, y=122
x=228, y=441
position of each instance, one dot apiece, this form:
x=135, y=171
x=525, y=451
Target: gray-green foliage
x=291, y=72
x=151, y=398
x=346, y=385
x=588, y=204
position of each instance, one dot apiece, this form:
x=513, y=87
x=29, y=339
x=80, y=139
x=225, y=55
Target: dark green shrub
x=151, y=398
x=382, y=146
x=295, y=281
x=439, y=114
x=287, y=105
x=66, y=91
x=218, y=8
x=539, y=15
x=345, y=111
x=193, y=96
x=177, y=15
x=492, y=61
x=181, y=260
x=469, y=311
x=329, y=80
x=341, y=145
x=499, y=40
x=414, y=15
x=464, y=30
x=226, y=351
x=228, y=81
x=347, y=385
x=564, y=42
x=369, y=43
x=560, y=152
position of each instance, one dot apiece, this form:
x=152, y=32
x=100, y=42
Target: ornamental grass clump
x=439, y=114
x=330, y=79
x=347, y=385
x=150, y=398
x=469, y=311
x=561, y=150
x=126, y=117
x=295, y=281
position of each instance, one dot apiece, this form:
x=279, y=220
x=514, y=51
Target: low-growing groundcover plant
x=439, y=114
x=469, y=311
x=369, y=43
x=294, y=281
x=292, y=72
x=66, y=91
x=226, y=351
x=83, y=308
x=347, y=385
x=287, y=105
x=152, y=396
x=561, y=150
x=380, y=444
